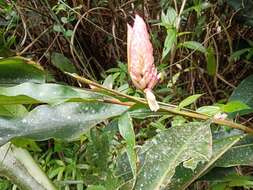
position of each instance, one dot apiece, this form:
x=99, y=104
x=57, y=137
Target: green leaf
x=188, y=144
x=65, y=121
x=178, y=120
x=12, y=110
x=198, y=7
x=209, y=110
x=244, y=8
x=220, y=186
x=185, y=177
x=96, y=187
x=16, y=70
x=62, y=63
x=244, y=92
x=26, y=143
x=211, y=65
x=237, y=54
x=240, y=181
x=217, y=173
x=18, y=165
x=234, y=106
x=140, y=111
x=196, y=46
x=189, y=100
x=238, y=155
x=230, y=181
x=108, y=82
x=4, y=184
x=173, y=80
x=98, y=150
x=68, y=33
x=127, y=132
x=58, y=28
x=64, y=20
x=169, y=20
x=169, y=41
x=30, y=93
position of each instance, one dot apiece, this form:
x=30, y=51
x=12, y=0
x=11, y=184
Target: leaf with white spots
x=189, y=144
x=31, y=93
x=65, y=121
x=183, y=177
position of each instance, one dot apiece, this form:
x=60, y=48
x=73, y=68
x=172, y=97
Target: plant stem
x=111, y=91
x=179, y=14
x=163, y=106
x=177, y=25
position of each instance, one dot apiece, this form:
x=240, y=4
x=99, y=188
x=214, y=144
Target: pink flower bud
x=141, y=61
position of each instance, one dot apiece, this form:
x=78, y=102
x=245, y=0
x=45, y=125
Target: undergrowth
x=210, y=54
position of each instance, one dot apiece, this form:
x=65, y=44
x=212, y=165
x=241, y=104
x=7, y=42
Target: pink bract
x=141, y=61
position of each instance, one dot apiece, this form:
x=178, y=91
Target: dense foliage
x=71, y=118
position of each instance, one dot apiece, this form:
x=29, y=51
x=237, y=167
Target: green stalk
x=163, y=106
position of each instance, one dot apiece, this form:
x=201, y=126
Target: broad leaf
x=188, y=144
x=65, y=121
x=185, y=177
x=17, y=165
x=16, y=70
x=29, y=93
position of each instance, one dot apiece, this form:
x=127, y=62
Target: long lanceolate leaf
x=64, y=121
x=30, y=93
x=16, y=70
x=188, y=144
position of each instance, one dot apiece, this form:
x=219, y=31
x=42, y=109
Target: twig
x=34, y=41
x=163, y=106
x=177, y=25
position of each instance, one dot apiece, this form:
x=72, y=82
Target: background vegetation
x=204, y=49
